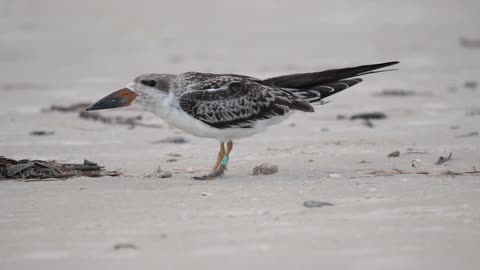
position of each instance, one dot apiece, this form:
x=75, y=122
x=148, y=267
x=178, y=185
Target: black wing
x=310, y=80
x=316, y=86
x=240, y=103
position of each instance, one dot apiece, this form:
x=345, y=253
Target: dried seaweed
x=471, y=134
x=41, y=133
x=469, y=42
x=316, y=204
x=120, y=246
x=173, y=140
x=394, y=154
x=368, y=117
x=442, y=173
x=471, y=85
x=75, y=107
x=396, y=93
x=132, y=122
x=442, y=160
x=416, y=152
x=31, y=170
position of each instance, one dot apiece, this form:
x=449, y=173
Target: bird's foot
x=217, y=173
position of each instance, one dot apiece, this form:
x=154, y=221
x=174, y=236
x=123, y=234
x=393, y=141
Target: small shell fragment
x=265, y=169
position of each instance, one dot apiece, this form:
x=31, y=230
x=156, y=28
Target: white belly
x=169, y=111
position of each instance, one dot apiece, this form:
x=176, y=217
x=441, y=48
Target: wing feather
x=239, y=103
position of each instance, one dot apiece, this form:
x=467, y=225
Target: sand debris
x=442, y=160
x=469, y=42
x=159, y=173
x=473, y=112
x=471, y=85
x=173, y=140
x=166, y=174
x=385, y=173
x=75, y=107
x=416, y=153
x=471, y=134
x=394, y=154
x=367, y=117
x=316, y=204
x=396, y=93
x=80, y=108
x=415, y=162
x=131, y=121
x=31, y=170
x=442, y=173
x=41, y=133
x=265, y=169
x=120, y=246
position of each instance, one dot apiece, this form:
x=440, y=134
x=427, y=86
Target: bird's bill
x=120, y=98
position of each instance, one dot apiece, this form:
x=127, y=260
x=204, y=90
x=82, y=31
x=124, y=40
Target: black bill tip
x=120, y=98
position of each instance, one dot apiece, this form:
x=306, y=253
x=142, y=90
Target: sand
x=386, y=213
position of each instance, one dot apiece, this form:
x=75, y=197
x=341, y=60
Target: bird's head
x=144, y=90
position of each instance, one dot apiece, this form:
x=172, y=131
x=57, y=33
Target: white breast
x=169, y=110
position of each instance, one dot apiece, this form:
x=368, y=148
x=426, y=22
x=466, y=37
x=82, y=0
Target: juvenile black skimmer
x=230, y=106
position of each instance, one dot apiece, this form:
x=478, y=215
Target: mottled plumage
x=230, y=106
x=231, y=100
x=240, y=103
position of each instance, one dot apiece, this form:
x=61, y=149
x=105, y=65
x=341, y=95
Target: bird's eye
x=150, y=83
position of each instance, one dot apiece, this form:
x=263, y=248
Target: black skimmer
x=227, y=107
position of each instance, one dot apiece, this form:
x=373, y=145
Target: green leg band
x=224, y=161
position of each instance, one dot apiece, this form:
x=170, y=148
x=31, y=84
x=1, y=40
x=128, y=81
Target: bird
x=228, y=107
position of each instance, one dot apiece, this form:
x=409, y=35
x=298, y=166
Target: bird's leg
x=222, y=166
x=216, y=170
x=220, y=156
x=226, y=158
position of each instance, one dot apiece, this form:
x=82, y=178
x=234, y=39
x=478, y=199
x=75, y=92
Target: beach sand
x=401, y=212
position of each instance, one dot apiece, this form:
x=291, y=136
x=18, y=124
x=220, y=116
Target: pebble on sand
x=442, y=160
x=265, y=169
x=394, y=154
x=41, y=133
x=471, y=84
x=159, y=173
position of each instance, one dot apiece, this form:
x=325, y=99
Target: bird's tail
x=317, y=93
x=317, y=85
